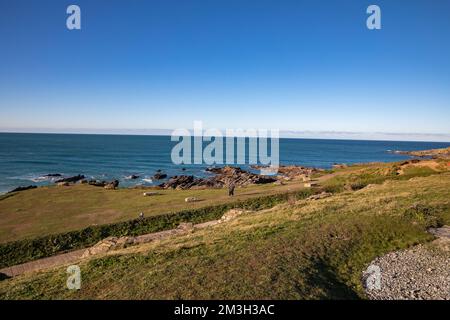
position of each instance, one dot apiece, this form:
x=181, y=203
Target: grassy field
x=297, y=250
x=51, y=210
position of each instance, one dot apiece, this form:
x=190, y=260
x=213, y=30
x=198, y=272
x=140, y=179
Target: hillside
x=300, y=249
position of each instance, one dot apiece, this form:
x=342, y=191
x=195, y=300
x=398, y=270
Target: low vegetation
x=299, y=250
x=21, y=251
x=52, y=210
x=287, y=247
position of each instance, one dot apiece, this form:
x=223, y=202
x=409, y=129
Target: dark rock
x=224, y=176
x=22, y=189
x=97, y=183
x=112, y=185
x=180, y=182
x=71, y=179
x=53, y=175
x=159, y=176
x=134, y=177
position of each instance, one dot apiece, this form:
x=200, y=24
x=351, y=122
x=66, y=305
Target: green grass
x=52, y=210
x=20, y=251
x=302, y=250
x=358, y=179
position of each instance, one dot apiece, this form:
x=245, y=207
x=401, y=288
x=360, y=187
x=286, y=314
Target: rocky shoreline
x=221, y=178
x=432, y=153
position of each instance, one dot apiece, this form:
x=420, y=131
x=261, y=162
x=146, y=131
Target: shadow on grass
x=3, y=276
x=331, y=286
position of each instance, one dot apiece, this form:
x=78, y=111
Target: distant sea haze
x=27, y=158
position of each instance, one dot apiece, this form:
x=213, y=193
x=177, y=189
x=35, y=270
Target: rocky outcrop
x=159, y=176
x=291, y=172
x=239, y=177
x=294, y=172
x=71, y=179
x=18, y=189
x=181, y=182
x=223, y=177
x=435, y=153
x=104, y=184
x=112, y=185
x=231, y=214
x=108, y=244
x=97, y=183
x=186, y=226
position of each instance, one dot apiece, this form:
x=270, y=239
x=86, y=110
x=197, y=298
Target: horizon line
x=284, y=134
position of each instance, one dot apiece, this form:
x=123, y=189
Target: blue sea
x=25, y=159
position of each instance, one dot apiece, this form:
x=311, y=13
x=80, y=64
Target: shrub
x=430, y=216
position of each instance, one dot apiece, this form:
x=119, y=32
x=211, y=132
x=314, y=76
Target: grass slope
x=51, y=210
x=297, y=250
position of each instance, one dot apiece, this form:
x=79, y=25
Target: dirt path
x=45, y=263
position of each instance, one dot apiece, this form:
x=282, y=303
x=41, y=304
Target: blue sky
x=292, y=65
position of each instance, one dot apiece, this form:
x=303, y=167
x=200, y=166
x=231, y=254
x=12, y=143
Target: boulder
x=159, y=176
x=190, y=199
x=97, y=183
x=186, y=226
x=112, y=185
x=101, y=247
x=63, y=184
x=149, y=194
x=108, y=244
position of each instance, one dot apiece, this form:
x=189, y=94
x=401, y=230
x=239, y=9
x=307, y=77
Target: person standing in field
x=231, y=187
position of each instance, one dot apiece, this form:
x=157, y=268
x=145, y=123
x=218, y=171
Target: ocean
x=25, y=158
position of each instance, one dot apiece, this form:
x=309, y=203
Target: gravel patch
x=419, y=273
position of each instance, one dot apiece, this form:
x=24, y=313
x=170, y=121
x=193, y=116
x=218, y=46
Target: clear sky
x=291, y=65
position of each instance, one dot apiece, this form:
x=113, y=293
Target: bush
x=430, y=216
